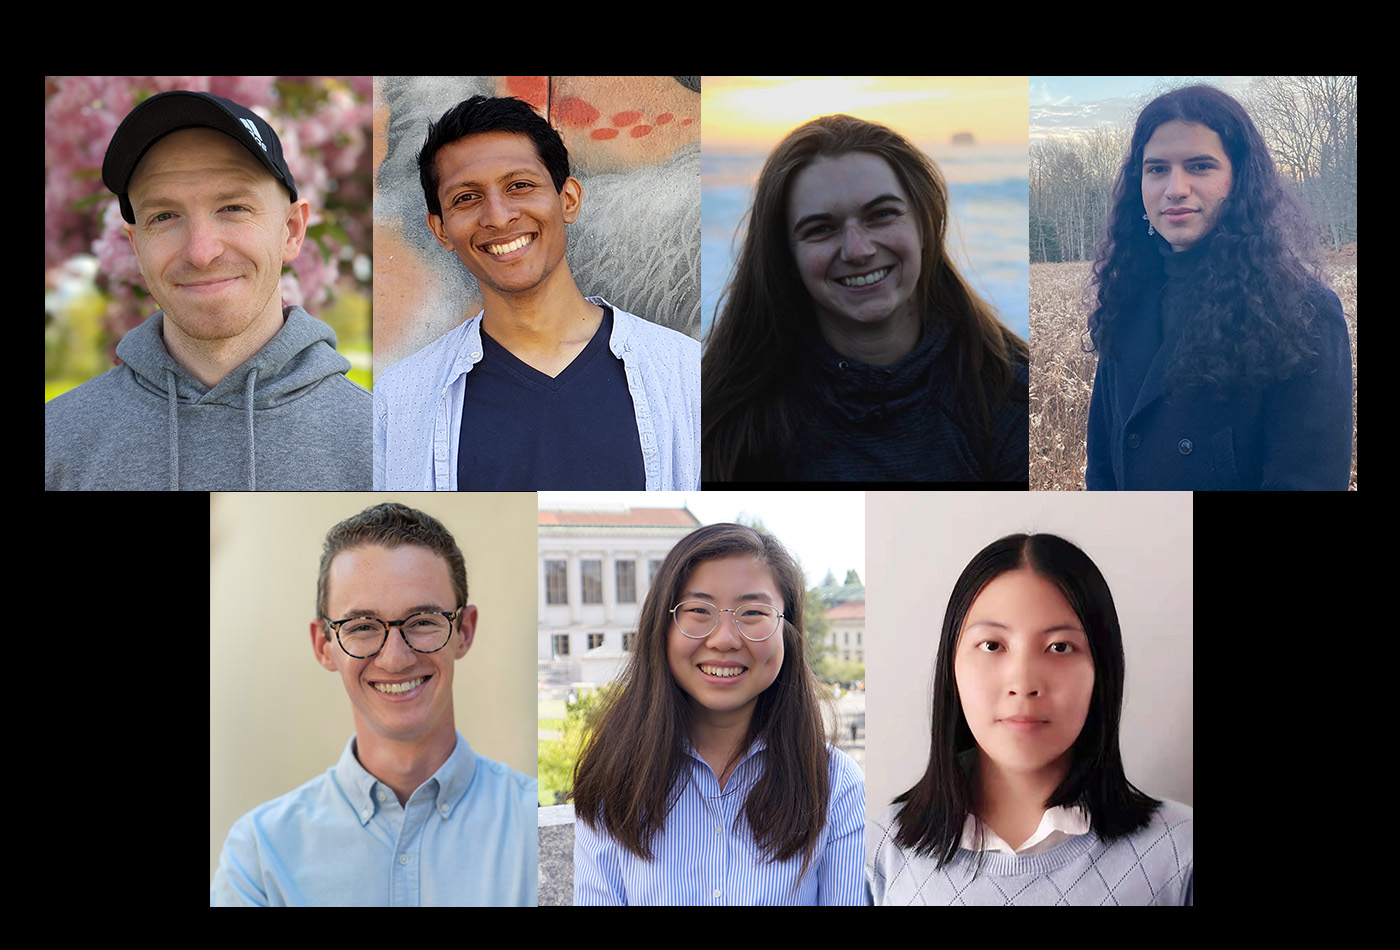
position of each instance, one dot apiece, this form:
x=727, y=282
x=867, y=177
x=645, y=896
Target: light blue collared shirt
x=467, y=836
x=418, y=406
x=703, y=856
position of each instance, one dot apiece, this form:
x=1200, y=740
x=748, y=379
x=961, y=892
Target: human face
x=705, y=669
x=1024, y=673
x=500, y=213
x=393, y=584
x=1186, y=177
x=855, y=240
x=213, y=229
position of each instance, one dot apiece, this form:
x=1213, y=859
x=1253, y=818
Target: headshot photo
x=1051, y=654
x=853, y=335
x=537, y=285
x=203, y=330
x=1207, y=339
x=420, y=790
x=707, y=777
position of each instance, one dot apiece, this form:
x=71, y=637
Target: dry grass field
x=1062, y=374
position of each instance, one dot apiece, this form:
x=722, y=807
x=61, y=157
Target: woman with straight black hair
x=1224, y=361
x=1024, y=800
x=707, y=779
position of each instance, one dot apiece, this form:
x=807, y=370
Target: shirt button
x=476, y=355
x=1185, y=446
x=403, y=859
x=716, y=893
x=1134, y=441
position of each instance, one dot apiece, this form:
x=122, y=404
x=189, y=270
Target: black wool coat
x=1294, y=434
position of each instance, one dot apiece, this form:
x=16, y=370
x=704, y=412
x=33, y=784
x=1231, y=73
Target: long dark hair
x=753, y=367
x=931, y=821
x=633, y=768
x=1248, y=316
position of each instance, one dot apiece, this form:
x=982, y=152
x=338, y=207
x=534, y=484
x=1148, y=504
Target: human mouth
x=497, y=250
x=864, y=280
x=398, y=689
x=1020, y=723
x=724, y=672
x=207, y=286
x=1177, y=213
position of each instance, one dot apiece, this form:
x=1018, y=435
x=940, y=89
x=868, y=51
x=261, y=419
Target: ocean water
x=988, y=188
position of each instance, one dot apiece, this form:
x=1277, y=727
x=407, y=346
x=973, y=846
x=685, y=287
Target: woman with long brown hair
x=848, y=347
x=707, y=779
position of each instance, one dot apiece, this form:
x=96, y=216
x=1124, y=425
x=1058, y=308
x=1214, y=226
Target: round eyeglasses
x=363, y=637
x=697, y=619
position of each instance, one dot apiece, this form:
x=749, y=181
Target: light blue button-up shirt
x=466, y=836
x=703, y=856
x=418, y=406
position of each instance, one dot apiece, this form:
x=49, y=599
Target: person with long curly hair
x=707, y=778
x=847, y=346
x=1224, y=361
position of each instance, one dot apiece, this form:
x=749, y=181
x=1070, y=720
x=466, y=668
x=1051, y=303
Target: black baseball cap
x=180, y=109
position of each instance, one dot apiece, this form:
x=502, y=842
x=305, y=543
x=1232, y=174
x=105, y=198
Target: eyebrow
x=1193, y=158
x=742, y=598
x=827, y=216
x=237, y=193
x=379, y=615
x=1058, y=628
x=534, y=173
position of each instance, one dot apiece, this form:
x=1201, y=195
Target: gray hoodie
x=287, y=419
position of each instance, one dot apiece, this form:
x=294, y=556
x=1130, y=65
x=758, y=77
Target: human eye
x=1152, y=169
x=520, y=185
x=989, y=646
x=1068, y=647
x=161, y=218
x=464, y=197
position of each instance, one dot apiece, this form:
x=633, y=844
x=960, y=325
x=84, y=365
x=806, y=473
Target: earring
x=1150, y=231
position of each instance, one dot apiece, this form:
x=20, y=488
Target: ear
x=325, y=649
x=440, y=232
x=571, y=199
x=297, y=216
x=467, y=621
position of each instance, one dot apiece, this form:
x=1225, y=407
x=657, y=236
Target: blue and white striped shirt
x=704, y=856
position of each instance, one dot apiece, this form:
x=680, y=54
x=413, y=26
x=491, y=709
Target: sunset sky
x=751, y=112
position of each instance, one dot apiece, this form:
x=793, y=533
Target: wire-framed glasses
x=363, y=637
x=697, y=619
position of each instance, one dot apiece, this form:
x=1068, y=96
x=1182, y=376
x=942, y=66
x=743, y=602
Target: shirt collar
x=470, y=350
x=1058, y=823
x=447, y=785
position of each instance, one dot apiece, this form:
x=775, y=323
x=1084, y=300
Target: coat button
x=1185, y=446
x=1134, y=440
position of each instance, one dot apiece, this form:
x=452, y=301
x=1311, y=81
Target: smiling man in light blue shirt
x=410, y=815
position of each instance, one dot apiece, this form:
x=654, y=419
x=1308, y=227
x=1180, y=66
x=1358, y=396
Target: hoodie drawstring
x=174, y=430
x=252, y=458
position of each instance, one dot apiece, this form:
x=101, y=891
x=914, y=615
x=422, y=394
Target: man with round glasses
x=410, y=815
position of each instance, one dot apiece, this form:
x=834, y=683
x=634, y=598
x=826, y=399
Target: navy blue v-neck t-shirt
x=525, y=431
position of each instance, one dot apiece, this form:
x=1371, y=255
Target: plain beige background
x=918, y=544
x=276, y=718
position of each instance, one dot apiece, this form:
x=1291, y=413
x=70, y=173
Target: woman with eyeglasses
x=707, y=779
x=848, y=347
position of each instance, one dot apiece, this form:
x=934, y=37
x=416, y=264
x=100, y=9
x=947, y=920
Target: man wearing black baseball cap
x=224, y=388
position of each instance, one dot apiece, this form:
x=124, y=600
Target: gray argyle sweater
x=1151, y=866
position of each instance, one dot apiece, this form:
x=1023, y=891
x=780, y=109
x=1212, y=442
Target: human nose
x=1178, y=185
x=855, y=243
x=1025, y=677
x=202, y=243
x=498, y=210
x=396, y=653
x=725, y=635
